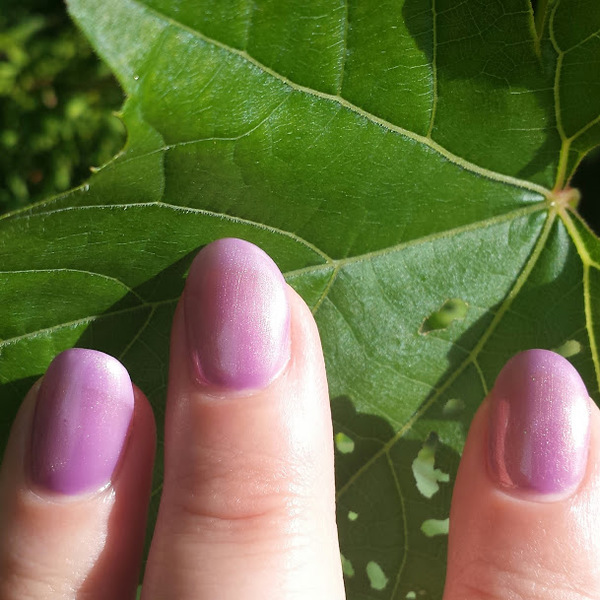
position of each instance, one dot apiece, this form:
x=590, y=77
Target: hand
x=247, y=509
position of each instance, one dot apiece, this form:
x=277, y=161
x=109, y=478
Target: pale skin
x=248, y=505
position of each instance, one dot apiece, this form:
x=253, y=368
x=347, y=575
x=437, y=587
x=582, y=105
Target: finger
x=75, y=484
x=248, y=504
x=525, y=513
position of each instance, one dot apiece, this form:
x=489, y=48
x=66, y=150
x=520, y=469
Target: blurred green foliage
x=57, y=103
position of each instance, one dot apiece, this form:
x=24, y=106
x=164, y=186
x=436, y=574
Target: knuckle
x=225, y=489
x=21, y=578
x=517, y=579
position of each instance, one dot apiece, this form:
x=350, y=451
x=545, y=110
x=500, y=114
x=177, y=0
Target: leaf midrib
x=331, y=264
x=471, y=359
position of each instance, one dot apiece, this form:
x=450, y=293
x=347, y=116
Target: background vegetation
x=57, y=103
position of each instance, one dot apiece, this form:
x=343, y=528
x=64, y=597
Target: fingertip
x=517, y=508
x=248, y=497
x=538, y=434
x=81, y=423
x=76, y=533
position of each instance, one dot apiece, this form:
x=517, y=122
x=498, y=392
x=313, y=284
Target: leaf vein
x=532, y=260
x=325, y=292
x=192, y=210
x=587, y=262
x=344, y=48
x=83, y=321
x=236, y=138
x=433, y=70
x=83, y=272
x=135, y=338
x=439, y=149
x=404, y=525
x=440, y=235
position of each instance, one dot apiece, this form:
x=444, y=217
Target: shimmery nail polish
x=81, y=422
x=539, y=429
x=237, y=316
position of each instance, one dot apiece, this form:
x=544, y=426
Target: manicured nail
x=81, y=421
x=237, y=316
x=540, y=421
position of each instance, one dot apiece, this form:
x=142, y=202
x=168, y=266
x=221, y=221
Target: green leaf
x=572, y=41
x=398, y=159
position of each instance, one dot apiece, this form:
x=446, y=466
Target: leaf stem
x=563, y=161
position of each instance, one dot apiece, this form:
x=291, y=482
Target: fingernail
x=540, y=421
x=81, y=421
x=237, y=316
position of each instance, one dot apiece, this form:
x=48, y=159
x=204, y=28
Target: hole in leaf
x=352, y=516
x=452, y=310
x=411, y=596
x=569, y=348
x=347, y=567
x=423, y=468
x=376, y=576
x=432, y=527
x=453, y=407
x=343, y=443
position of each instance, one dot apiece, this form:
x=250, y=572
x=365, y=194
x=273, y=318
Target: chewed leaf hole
x=453, y=407
x=452, y=310
x=347, y=567
x=352, y=516
x=411, y=596
x=343, y=443
x=426, y=475
x=376, y=576
x=432, y=527
x=569, y=348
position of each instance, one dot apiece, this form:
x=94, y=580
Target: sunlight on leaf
x=347, y=567
x=343, y=443
x=569, y=348
x=432, y=527
x=376, y=576
x=454, y=309
x=426, y=475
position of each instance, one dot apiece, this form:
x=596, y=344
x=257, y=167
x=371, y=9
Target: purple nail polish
x=540, y=421
x=81, y=421
x=237, y=315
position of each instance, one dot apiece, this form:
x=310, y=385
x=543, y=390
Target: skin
x=247, y=510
